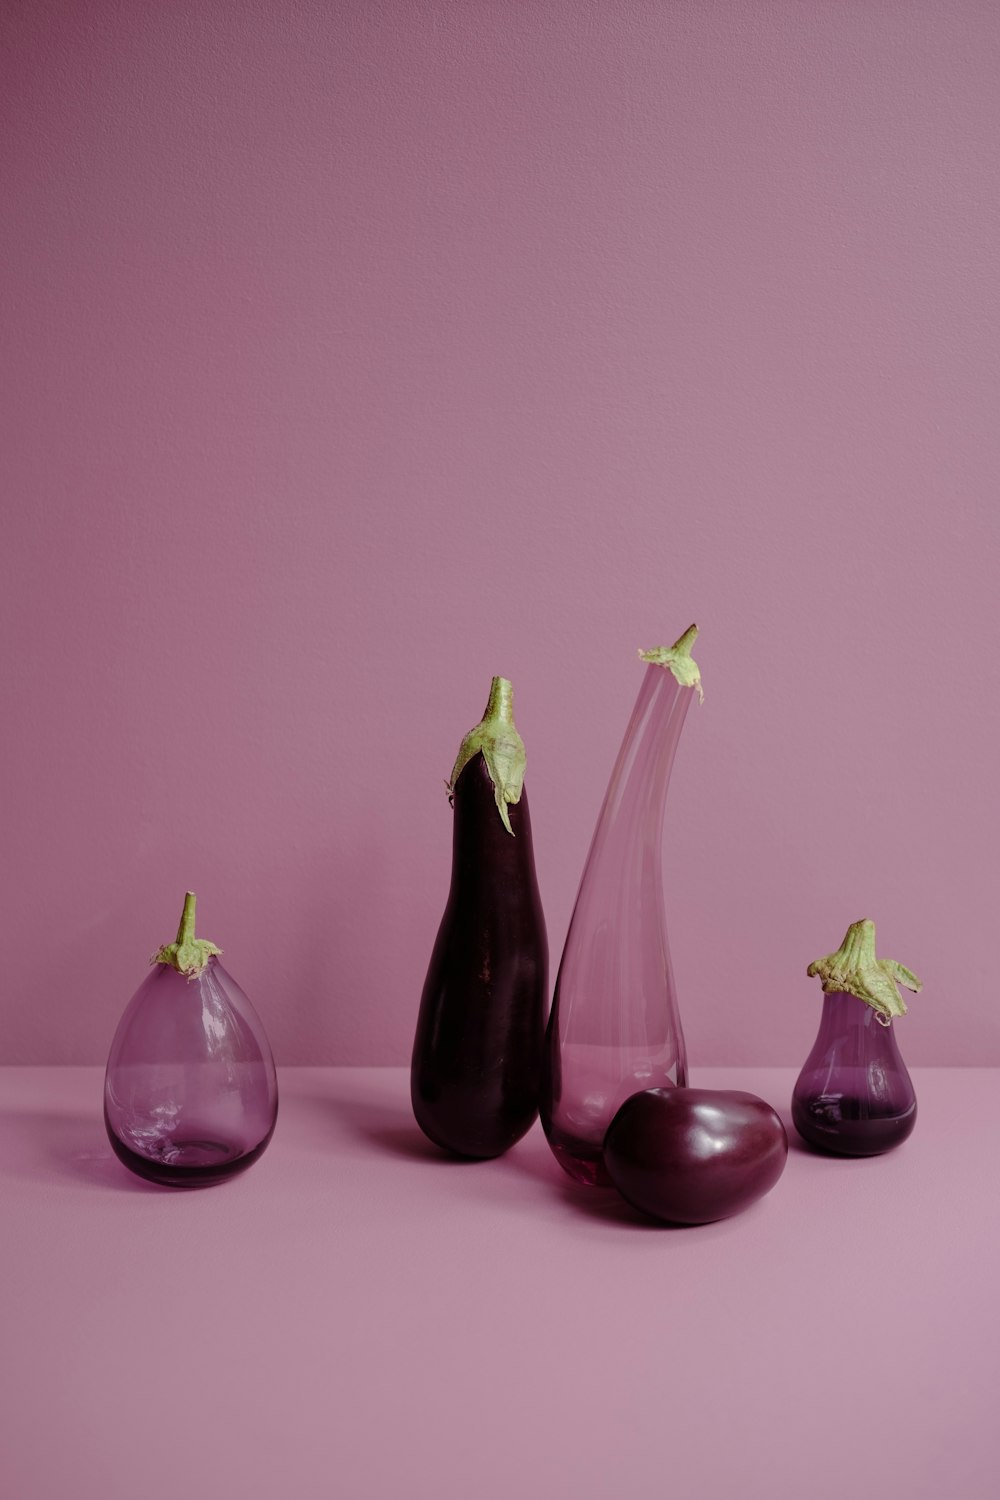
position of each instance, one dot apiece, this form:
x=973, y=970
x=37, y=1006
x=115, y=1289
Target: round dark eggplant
x=689, y=1156
x=477, y=1054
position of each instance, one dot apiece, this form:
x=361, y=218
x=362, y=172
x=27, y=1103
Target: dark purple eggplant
x=689, y=1156
x=474, y=1079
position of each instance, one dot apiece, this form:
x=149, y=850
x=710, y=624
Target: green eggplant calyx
x=854, y=970
x=495, y=737
x=678, y=659
x=188, y=955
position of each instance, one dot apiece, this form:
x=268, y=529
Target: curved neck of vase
x=845, y=1014
x=637, y=792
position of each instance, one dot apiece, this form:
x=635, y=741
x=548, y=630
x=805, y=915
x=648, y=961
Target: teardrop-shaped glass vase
x=853, y=1096
x=190, y=1092
x=615, y=1027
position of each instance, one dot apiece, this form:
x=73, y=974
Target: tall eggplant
x=474, y=1079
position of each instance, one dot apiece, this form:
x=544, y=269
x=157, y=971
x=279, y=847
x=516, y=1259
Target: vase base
x=580, y=1159
x=852, y=1137
x=195, y=1163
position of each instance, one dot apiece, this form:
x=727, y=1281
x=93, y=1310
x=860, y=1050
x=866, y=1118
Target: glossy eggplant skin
x=474, y=1079
x=690, y=1156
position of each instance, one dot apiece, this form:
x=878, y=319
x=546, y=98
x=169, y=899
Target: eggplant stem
x=495, y=737
x=185, y=932
x=678, y=659
x=187, y=954
x=855, y=970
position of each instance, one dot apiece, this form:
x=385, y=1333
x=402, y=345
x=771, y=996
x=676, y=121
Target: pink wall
x=356, y=352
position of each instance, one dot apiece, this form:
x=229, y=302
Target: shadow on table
x=47, y=1145
x=605, y=1205
x=387, y=1126
x=391, y=1128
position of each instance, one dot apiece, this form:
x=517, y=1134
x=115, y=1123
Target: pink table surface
x=357, y=1317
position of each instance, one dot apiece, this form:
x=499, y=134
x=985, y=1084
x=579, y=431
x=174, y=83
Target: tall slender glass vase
x=615, y=1026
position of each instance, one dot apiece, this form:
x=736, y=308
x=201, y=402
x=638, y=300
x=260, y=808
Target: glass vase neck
x=844, y=1014
x=637, y=792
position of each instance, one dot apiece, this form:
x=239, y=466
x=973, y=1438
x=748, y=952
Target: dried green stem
x=678, y=659
x=496, y=738
x=855, y=970
x=188, y=954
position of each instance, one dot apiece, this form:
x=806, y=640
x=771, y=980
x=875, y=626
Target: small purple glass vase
x=615, y=1027
x=190, y=1092
x=854, y=1096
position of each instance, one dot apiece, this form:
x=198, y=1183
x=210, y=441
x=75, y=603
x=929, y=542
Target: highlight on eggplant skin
x=476, y=1066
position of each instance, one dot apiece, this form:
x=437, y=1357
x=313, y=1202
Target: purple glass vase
x=854, y=1096
x=190, y=1092
x=615, y=1028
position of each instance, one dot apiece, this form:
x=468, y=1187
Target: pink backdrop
x=356, y=352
